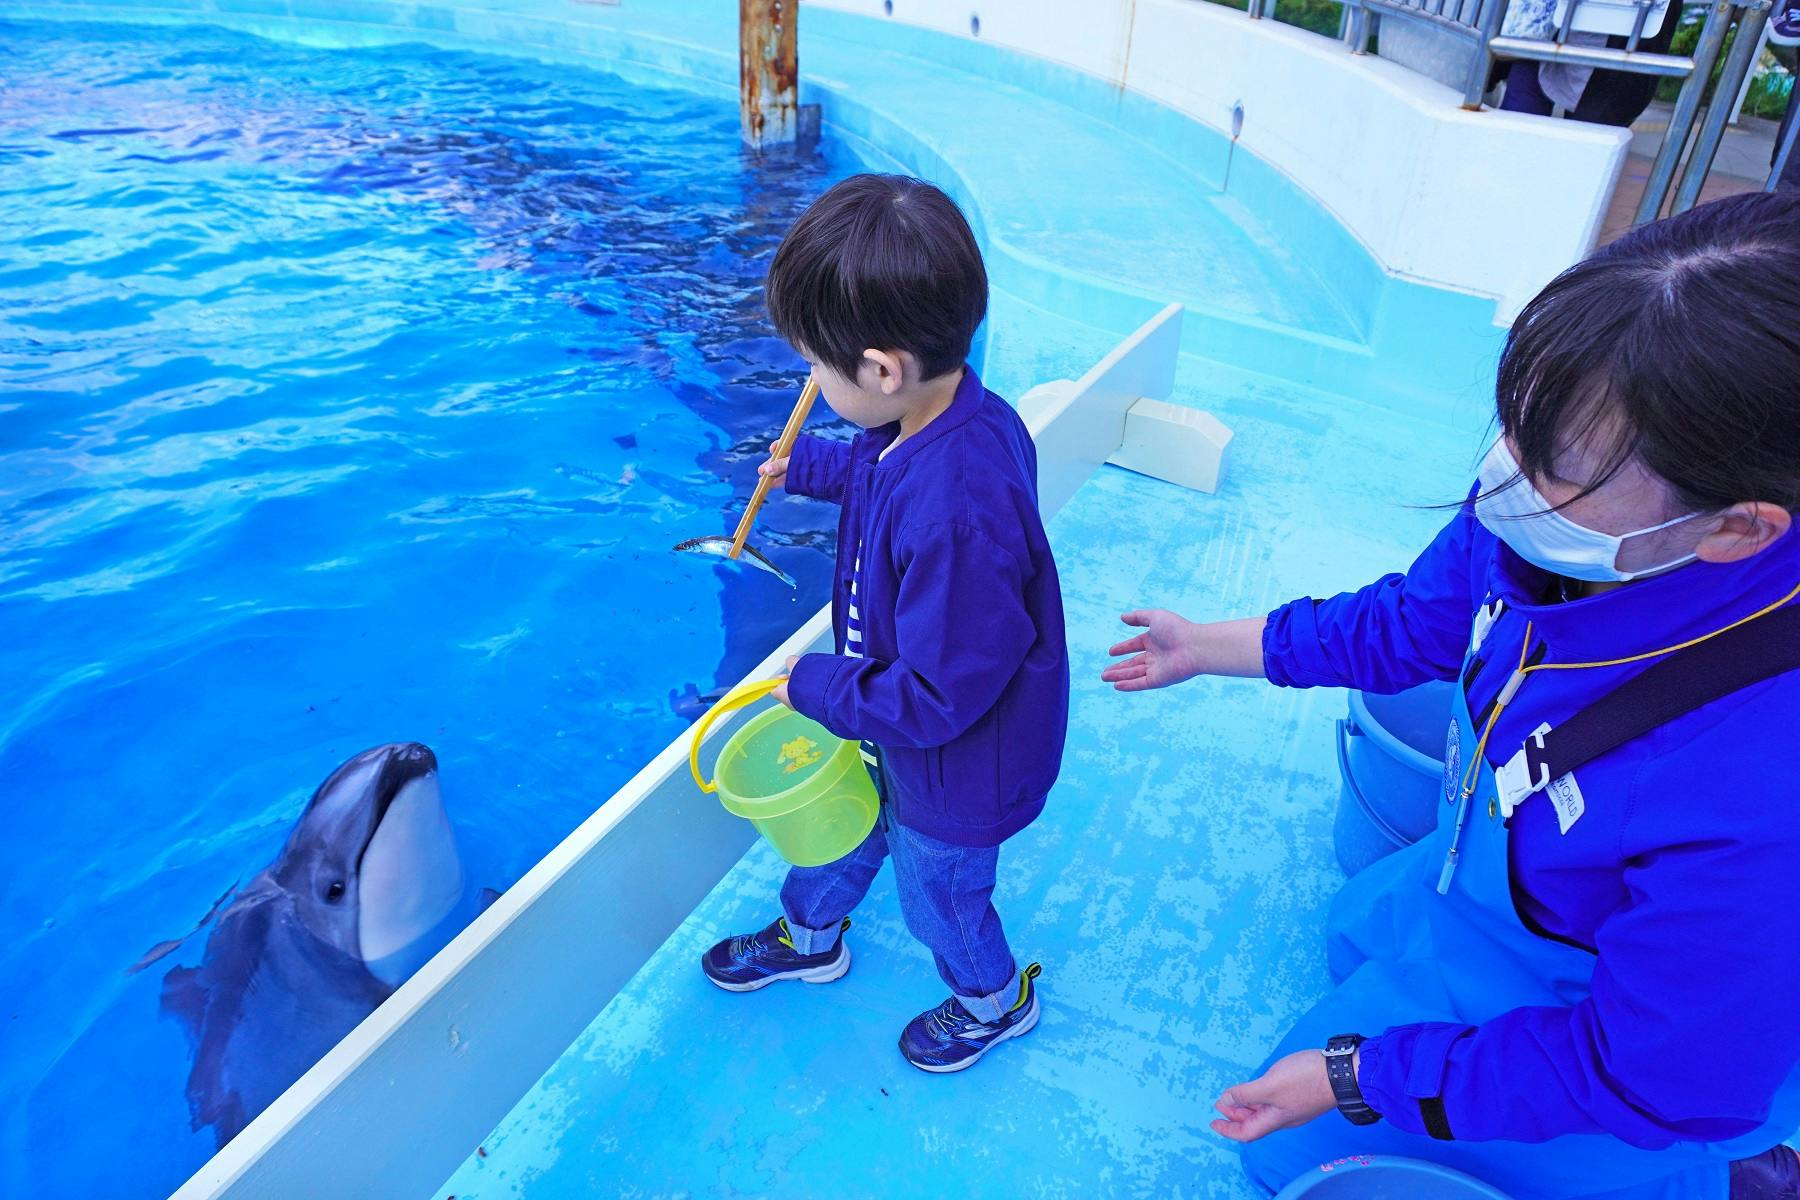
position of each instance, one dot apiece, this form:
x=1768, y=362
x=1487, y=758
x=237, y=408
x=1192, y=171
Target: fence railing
x=1691, y=142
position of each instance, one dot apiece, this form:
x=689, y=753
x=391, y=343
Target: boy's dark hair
x=881, y=262
x=1680, y=342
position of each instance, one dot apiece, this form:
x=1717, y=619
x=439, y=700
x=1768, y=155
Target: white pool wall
x=1490, y=203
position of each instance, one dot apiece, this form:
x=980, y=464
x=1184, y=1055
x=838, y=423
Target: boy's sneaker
x=754, y=960
x=1771, y=1176
x=948, y=1039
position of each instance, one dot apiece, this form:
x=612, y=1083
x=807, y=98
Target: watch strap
x=1340, y=1070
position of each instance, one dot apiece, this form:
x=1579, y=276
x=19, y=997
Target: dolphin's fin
x=691, y=704
x=184, y=996
x=164, y=949
x=486, y=899
x=158, y=951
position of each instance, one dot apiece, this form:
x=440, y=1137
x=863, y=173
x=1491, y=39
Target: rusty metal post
x=768, y=71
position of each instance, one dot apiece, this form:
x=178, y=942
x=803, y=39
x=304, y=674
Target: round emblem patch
x=1452, y=763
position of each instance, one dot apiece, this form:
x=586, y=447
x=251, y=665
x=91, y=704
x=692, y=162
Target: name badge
x=1565, y=795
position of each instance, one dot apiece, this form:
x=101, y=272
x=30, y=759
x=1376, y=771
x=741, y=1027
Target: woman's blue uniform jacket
x=1682, y=876
x=964, y=683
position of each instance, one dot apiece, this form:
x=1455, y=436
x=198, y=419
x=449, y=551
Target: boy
x=952, y=667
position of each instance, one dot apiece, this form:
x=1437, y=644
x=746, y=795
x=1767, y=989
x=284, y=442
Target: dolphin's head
x=372, y=864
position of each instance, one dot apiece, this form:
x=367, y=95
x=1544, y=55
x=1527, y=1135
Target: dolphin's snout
x=416, y=755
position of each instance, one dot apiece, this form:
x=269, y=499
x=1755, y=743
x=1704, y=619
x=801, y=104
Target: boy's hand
x=780, y=692
x=776, y=470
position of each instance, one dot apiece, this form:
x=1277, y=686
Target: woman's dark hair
x=1680, y=345
x=880, y=262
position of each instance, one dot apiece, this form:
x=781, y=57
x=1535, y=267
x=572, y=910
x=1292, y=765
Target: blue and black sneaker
x=1774, y=1175
x=754, y=960
x=948, y=1039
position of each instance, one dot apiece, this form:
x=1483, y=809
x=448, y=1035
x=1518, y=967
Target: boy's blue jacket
x=965, y=680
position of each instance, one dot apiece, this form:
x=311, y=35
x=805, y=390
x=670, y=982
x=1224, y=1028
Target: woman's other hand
x=1292, y=1092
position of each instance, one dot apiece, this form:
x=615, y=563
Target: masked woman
x=1586, y=982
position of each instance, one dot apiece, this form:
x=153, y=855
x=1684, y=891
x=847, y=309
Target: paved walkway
x=1742, y=164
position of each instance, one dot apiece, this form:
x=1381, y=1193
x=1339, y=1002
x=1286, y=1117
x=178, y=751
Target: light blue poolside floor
x=1174, y=889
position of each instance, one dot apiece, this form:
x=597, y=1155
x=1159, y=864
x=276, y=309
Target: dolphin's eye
x=335, y=892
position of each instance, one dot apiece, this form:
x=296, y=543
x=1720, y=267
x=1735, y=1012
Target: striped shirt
x=853, y=640
x=853, y=629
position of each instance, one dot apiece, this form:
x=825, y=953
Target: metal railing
x=1784, y=152
x=1477, y=24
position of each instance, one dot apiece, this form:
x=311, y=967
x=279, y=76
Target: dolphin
x=368, y=886
x=692, y=704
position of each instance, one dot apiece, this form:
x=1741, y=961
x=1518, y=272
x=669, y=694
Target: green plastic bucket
x=804, y=788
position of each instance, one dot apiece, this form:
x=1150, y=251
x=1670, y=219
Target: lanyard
x=1472, y=775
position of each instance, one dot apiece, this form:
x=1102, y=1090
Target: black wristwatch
x=1340, y=1069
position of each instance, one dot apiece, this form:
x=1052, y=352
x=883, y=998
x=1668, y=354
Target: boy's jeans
x=946, y=897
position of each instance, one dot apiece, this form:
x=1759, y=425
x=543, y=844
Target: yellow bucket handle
x=744, y=693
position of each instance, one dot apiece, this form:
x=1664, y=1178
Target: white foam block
x=1168, y=441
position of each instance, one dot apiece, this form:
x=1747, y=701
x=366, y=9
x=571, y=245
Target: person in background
x=1784, y=36
x=1599, y=97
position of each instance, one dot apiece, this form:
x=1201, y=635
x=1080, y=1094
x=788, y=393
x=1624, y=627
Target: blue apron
x=1430, y=933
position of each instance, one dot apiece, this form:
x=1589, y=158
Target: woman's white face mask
x=1517, y=513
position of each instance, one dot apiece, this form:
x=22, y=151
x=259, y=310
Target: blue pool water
x=345, y=397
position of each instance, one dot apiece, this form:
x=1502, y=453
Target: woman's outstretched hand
x=1292, y=1092
x=1172, y=649
x=1163, y=654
